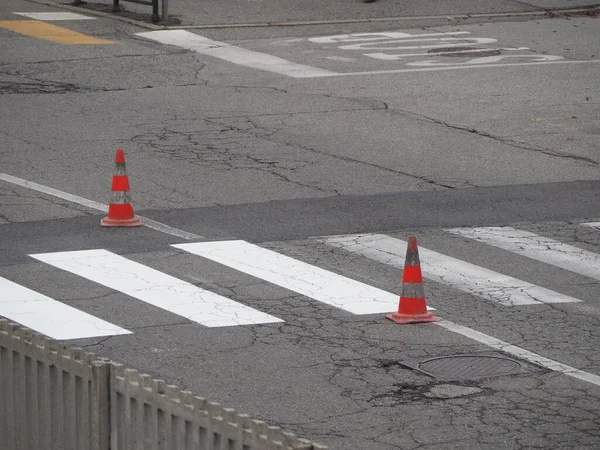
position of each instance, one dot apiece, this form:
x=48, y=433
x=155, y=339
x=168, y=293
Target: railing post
x=100, y=397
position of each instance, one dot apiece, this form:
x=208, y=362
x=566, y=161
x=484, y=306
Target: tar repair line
x=163, y=228
x=459, y=329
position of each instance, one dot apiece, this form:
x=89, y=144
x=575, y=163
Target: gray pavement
x=393, y=146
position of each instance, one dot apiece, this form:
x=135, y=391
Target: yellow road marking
x=43, y=30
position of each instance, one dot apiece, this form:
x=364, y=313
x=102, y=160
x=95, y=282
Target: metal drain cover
x=466, y=367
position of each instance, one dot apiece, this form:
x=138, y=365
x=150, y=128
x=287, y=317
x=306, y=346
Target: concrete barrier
x=54, y=396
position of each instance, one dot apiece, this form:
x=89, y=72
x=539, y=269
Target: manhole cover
x=464, y=51
x=466, y=367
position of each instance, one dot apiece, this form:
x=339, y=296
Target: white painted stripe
x=297, y=276
x=158, y=226
x=536, y=247
x=237, y=55
x=475, y=280
x=54, y=192
x=50, y=16
x=520, y=352
x=445, y=68
x=592, y=224
x=156, y=288
x=50, y=317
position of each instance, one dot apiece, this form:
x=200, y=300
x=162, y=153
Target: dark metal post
x=165, y=10
x=116, y=7
x=155, y=17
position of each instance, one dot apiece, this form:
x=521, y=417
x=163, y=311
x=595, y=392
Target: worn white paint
x=306, y=279
x=592, y=224
x=470, y=278
x=520, y=353
x=156, y=288
x=163, y=228
x=536, y=247
x=50, y=317
x=53, y=16
x=472, y=53
x=237, y=55
x=379, y=36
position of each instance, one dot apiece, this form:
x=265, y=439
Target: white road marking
x=475, y=280
x=297, y=276
x=156, y=288
x=158, y=226
x=520, y=352
x=396, y=56
x=237, y=55
x=592, y=224
x=457, y=67
x=51, y=16
x=50, y=317
x=378, y=36
x=536, y=247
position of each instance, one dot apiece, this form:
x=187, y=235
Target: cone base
x=135, y=221
x=412, y=318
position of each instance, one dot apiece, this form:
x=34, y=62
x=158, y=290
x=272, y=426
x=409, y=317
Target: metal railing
x=53, y=396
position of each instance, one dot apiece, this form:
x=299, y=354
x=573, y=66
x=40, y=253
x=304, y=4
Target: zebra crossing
x=209, y=309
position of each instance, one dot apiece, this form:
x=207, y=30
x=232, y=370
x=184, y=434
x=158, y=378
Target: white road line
x=471, y=66
x=536, y=247
x=520, y=352
x=50, y=317
x=237, y=55
x=163, y=228
x=475, y=280
x=297, y=276
x=51, y=16
x=156, y=288
x=592, y=224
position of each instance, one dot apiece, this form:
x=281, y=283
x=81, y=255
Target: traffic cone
x=120, y=211
x=412, y=307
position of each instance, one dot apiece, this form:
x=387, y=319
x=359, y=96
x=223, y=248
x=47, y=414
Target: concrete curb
x=142, y=24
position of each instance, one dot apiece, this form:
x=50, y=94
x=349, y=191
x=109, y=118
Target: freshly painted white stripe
x=50, y=317
x=50, y=16
x=453, y=272
x=592, y=224
x=297, y=276
x=156, y=288
x=520, y=352
x=237, y=55
x=536, y=247
x=163, y=228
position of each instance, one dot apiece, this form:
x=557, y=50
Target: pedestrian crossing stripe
x=164, y=291
x=50, y=317
x=461, y=275
x=297, y=276
x=536, y=247
x=156, y=288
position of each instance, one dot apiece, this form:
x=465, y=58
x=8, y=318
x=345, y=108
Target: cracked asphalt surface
x=231, y=152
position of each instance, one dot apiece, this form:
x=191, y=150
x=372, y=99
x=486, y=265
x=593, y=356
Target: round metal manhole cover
x=473, y=52
x=469, y=367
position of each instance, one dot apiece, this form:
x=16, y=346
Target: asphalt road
x=283, y=168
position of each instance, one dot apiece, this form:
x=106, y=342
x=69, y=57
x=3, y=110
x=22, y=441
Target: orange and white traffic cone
x=120, y=211
x=412, y=307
